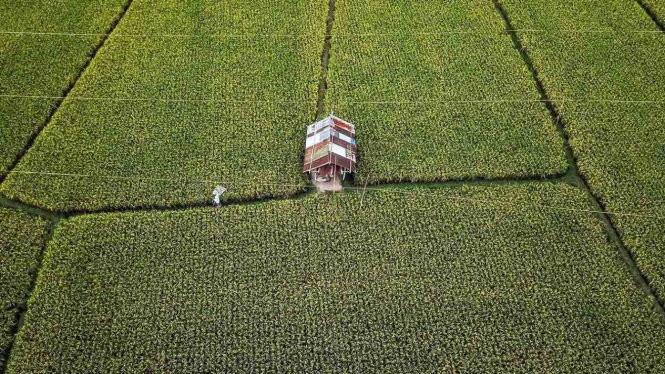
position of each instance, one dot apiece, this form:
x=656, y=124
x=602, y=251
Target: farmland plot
x=621, y=151
x=423, y=58
x=21, y=241
x=620, y=146
x=43, y=65
x=418, y=282
x=194, y=96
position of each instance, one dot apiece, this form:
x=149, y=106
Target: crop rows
x=414, y=53
x=419, y=282
x=230, y=17
x=43, y=65
x=169, y=154
x=620, y=147
x=454, y=141
x=21, y=241
x=169, y=133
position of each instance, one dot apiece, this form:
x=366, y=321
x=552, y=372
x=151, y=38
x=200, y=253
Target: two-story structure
x=330, y=149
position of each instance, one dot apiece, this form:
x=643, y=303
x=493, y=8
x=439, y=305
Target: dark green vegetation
x=43, y=65
x=220, y=53
x=620, y=146
x=438, y=52
x=657, y=7
x=21, y=242
x=412, y=282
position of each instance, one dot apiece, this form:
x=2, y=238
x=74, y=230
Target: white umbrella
x=217, y=193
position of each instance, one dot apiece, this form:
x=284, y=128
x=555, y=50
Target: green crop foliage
x=419, y=16
x=453, y=141
x=657, y=7
x=437, y=52
x=186, y=54
x=619, y=146
x=424, y=281
x=21, y=241
x=621, y=151
x=235, y=17
x=173, y=154
x=43, y=65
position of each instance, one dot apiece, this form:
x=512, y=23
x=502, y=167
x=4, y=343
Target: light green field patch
x=421, y=54
x=447, y=141
x=184, y=111
x=43, y=65
x=230, y=17
x=418, y=16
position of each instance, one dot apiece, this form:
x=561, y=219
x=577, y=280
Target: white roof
x=329, y=121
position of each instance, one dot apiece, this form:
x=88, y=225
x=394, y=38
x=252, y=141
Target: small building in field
x=330, y=149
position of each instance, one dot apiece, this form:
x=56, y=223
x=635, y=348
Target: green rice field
x=506, y=215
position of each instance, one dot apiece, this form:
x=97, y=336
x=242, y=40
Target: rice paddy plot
x=618, y=145
x=450, y=80
x=21, y=242
x=43, y=65
x=408, y=142
x=408, y=283
x=206, y=107
x=230, y=17
x=152, y=154
x=416, y=17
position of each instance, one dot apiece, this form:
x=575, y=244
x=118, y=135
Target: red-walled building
x=330, y=149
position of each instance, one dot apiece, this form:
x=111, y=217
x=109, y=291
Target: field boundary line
x=22, y=310
x=56, y=106
x=257, y=35
x=388, y=188
x=138, y=99
x=640, y=279
x=157, y=99
x=31, y=209
x=325, y=62
x=654, y=17
x=362, y=200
